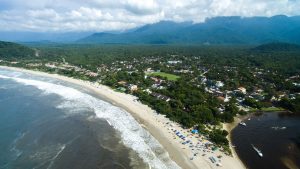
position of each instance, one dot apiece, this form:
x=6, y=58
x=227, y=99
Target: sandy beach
x=229, y=127
x=188, y=155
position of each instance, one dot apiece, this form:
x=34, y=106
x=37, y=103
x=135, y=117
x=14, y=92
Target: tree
x=252, y=103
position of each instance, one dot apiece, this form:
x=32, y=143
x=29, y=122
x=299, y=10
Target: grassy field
x=272, y=109
x=267, y=109
x=166, y=75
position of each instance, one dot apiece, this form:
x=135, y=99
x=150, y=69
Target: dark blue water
x=280, y=146
x=36, y=133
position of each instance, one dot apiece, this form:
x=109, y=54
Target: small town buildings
x=161, y=97
x=122, y=83
x=132, y=87
x=49, y=65
x=219, y=84
x=147, y=91
x=34, y=64
x=174, y=61
x=242, y=90
x=92, y=74
x=149, y=70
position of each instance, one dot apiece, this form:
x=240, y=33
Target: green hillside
x=9, y=50
x=278, y=46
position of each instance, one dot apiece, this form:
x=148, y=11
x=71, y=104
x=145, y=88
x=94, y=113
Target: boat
x=243, y=124
x=278, y=128
x=257, y=150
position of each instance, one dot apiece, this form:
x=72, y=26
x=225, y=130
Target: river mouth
x=276, y=135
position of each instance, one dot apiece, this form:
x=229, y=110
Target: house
x=227, y=98
x=34, y=64
x=219, y=84
x=203, y=79
x=149, y=70
x=218, y=93
x=157, y=80
x=132, y=87
x=242, y=90
x=92, y=74
x=174, y=61
x=161, y=97
x=49, y=65
x=296, y=84
x=122, y=83
x=147, y=91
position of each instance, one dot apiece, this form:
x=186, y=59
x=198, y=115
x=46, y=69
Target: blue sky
x=111, y=15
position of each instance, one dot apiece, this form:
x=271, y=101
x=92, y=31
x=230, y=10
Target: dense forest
x=10, y=50
x=240, y=56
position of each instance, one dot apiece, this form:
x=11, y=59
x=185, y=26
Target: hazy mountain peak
x=218, y=30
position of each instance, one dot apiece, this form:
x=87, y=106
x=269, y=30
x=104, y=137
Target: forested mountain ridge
x=277, y=46
x=14, y=50
x=218, y=30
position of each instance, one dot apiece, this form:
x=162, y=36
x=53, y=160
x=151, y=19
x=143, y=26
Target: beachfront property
x=160, y=96
x=132, y=87
x=242, y=90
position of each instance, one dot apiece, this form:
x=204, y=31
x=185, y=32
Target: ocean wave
x=14, y=148
x=132, y=134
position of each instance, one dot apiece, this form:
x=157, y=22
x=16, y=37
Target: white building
x=242, y=90
x=219, y=84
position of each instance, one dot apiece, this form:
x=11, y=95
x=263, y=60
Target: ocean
x=276, y=135
x=47, y=123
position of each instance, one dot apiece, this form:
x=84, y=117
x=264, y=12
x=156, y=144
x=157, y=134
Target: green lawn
x=267, y=109
x=272, y=109
x=166, y=75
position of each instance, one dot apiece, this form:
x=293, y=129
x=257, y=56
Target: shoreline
x=157, y=125
x=229, y=127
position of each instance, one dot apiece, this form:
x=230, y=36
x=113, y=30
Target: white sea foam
x=132, y=134
x=4, y=77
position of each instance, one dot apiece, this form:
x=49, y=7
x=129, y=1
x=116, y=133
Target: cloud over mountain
x=110, y=15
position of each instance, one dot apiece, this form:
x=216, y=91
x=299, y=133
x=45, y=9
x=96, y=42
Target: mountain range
x=217, y=30
x=43, y=37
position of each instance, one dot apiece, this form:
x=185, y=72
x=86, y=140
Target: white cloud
x=105, y=15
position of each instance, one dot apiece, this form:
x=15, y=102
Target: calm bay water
x=46, y=123
x=277, y=135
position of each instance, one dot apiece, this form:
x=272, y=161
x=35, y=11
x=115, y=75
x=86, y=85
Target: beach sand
x=229, y=127
x=159, y=126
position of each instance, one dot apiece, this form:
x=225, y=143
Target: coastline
x=229, y=127
x=154, y=123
